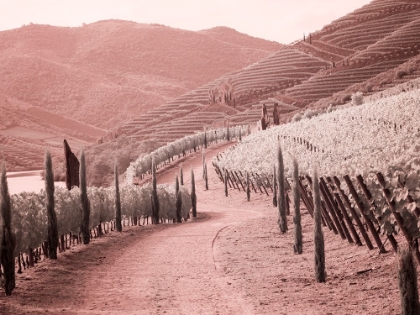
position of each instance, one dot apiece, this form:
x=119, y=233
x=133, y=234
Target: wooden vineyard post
x=353, y=213
x=369, y=196
x=253, y=187
x=324, y=211
x=305, y=198
x=233, y=181
x=240, y=181
x=331, y=209
x=362, y=211
x=310, y=198
x=340, y=215
x=259, y=187
x=218, y=172
x=348, y=220
x=398, y=218
x=344, y=213
x=262, y=184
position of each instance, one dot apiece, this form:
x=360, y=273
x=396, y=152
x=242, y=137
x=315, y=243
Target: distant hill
x=102, y=74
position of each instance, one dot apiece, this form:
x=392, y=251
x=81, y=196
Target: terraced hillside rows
x=371, y=49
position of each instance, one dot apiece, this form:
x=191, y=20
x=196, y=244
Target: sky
x=283, y=21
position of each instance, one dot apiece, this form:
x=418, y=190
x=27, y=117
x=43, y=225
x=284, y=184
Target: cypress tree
x=240, y=134
x=206, y=179
x=274, y=186
x=226, y=183
x=203, y=157
x=193, y=195
x=248, y=190
x=117, y=201
x=407, y=282
x=178, y=206
x=205, y=139
x=296, y=205
x=282, y=221
x=320, y=275
x=52, y=216
x=227, y=133
x=155, y=199
x=176, y=184
x=84, y=227
x=8, y=239
x=181, y=176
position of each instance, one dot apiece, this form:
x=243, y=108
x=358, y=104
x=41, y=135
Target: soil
x=232, y=259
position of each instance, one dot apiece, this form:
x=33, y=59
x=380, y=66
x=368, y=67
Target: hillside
x=369, y=50
x=100, y=75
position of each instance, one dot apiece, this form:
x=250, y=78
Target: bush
x=297, y=117
x=357, y=98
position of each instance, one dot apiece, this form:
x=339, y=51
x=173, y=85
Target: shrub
x=357, y=98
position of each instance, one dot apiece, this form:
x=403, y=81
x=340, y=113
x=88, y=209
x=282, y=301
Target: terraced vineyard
x=371, y=49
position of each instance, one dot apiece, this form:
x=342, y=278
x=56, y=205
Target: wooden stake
x=353, y=213
x=362, y=211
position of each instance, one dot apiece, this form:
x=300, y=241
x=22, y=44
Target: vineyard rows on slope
x=378, y=137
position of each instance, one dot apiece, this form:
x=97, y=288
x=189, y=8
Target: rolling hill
x=80, y=82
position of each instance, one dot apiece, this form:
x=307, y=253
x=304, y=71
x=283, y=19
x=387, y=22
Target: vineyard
x=368, y=158
x=108, y=207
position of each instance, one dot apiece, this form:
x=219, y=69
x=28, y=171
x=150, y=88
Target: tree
x=50, y=204
x=8, y=239
x=206, y=178
x=248, y=190
x=282, y=221
x=193, y=195
x=117, y=201
x=155, y=199
x=226, y=183
x=296, y=205
x=274, y=186
x=181, y=176
x=407, y=282
x=84, y=227
x=318, y=234
x=178, y=206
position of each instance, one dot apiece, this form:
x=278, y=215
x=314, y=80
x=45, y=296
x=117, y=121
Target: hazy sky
x=280, y=20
